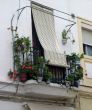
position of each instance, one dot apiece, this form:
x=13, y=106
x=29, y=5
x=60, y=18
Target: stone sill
x=37, y=90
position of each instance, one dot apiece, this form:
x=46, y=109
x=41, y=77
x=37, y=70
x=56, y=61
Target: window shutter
x=87, y=36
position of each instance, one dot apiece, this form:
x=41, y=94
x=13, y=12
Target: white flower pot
x=64, y=41
x=39, y=79
x=48, y=81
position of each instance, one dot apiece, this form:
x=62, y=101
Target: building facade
x=55, y=16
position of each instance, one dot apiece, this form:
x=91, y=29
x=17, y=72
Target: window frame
x=86, y=49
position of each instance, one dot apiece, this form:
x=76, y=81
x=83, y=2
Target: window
x=88, y=69
x=87, y=49
x=87, y=41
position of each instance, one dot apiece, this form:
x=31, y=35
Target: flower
x=11, y=76
x=23, y=66
x=29, y=67
x=26, y=67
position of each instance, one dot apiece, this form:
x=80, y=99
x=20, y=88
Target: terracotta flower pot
x=11, y=76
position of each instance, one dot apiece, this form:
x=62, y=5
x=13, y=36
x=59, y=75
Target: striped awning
x=45, y=28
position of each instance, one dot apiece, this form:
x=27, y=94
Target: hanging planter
x=64, y=37
x=64, y=41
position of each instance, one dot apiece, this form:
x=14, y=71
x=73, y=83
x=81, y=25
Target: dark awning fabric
x=45, y=28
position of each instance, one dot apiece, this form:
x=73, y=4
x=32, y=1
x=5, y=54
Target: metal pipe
x=36, y=3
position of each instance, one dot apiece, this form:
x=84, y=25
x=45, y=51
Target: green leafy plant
x=25, y=70
x=41, y=65
x=13, y=74
x=47, y=74
x=64, y=34
x=76, y=71
x=70, y=78
x=10, y=74
x=21, y=47
x=73, y=58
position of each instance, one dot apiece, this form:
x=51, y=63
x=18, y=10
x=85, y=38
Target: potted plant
x=78, y=76
x=10, y=74
x=42, y=69
x=74, y=59
x=40, y=65
x=21, y=48
x=47, y=75
x=64, y=36
x=27, y=72
x=13, y=75
x=76, y=71
x=70, y=79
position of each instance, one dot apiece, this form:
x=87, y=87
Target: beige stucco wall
x=82, y=23
x=84, y=98
x=85, y=103
x=42, y=106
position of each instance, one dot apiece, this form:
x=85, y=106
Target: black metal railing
x=58, y=73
